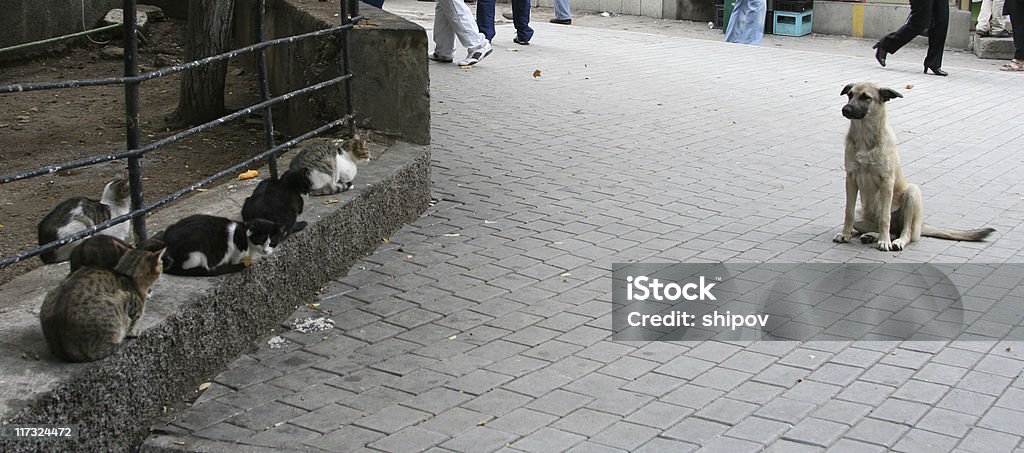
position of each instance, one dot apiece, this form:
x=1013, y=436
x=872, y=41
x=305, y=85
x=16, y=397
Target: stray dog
x=890, y=206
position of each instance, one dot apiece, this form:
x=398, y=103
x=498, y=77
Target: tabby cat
x=331, y=163
x=105, y=251
x=205, y=245
x=78, y=213
x=87, y=316
x=279, y=201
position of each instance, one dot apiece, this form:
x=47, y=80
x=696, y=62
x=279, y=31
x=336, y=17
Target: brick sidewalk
x=484, y=325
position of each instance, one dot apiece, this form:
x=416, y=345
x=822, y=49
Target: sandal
x=1013, y=65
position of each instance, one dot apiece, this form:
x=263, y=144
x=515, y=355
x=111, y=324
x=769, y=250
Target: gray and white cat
x=94, y=309
x=105, y=251
x=79, y=213
x=331, y=163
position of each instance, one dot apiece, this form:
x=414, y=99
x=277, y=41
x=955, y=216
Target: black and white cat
x=79, y=213
x=205, y=245
x=279, y=201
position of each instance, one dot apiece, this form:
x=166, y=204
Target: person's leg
x=464, y=26
x=562, y=10
x=444, y=35
x=1017, y=23
x=920, y=18
x=485, y=18
x=937, y=34
x=521, y=19
x=997, y=21
x=985, y=17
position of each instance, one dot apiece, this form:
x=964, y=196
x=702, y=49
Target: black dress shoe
x=880, y=54
x=520, y=41
x=936, y=71
x=561, y=21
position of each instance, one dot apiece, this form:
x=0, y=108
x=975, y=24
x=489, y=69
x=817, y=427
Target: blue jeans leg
x=520, y=18
x=485, y=17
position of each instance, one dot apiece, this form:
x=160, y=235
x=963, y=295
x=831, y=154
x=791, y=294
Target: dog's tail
x=956, y=235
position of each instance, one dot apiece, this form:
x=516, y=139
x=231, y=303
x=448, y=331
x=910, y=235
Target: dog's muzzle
x=852, y=112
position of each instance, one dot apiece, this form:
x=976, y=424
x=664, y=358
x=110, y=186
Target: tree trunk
x=202, y=89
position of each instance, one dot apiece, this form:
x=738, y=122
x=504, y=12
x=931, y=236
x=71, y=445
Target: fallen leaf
x=452, y=337
x=452, y=235
x=331, y=201
x=910, y=87
x=536, y=73
x=249, y=174
x=566, y=275
x=511, y=50
x=204, y=386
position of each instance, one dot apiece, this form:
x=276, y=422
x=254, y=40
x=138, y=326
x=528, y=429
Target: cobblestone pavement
x=485, y=324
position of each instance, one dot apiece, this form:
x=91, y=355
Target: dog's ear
x=888, y=93
x=846, y=89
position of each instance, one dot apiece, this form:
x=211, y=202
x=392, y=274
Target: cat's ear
x=158, y=256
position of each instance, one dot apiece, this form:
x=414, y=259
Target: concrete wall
x=874, y=20
x=25, y=21
x=391, y=81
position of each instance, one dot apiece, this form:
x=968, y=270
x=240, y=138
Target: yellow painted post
x=858, y=21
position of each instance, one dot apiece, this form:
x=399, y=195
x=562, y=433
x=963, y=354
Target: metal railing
x=133, y=152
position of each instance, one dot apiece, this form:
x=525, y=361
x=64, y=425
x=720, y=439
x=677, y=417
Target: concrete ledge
x=876, y=20
x=195, y=326
x=993, y=48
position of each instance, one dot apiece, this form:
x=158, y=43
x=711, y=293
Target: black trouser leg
x=1017, y=22
x=937, y=33
x=920, y=18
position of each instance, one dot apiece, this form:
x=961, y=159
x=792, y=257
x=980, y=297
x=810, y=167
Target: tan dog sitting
x=890, y=206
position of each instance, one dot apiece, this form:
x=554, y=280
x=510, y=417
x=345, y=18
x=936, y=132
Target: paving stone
x=814, y=431
x=629, y=368
x=899, y=411
x=788, y=446
x=654, y=384
x=376, y=399
x=266, y=416
x=924, y=392
x=586, y=422
x=316, y=397
x=692, y=396
x=982, y=440
x=480, y=439
x=244, y=376
x=537, y=384
x=252, y=396
x=878, y=432
x=730, y=445
x=842, y=412
x=781, y=375
x=206, y=414
x=392, y=419
x=755, y=392
x=722, y=379
x=1005, y=420
x=226, y=432
x=328, y=418
x=696, y=430
x=727, y=411
x=523, y=421
x=560, y=402
x=548, y=440
x=760, y=430
x=478, y=382
x=750, y=362
x=866, y=392
x=619, y=402
x=498, y=350
x=662, y=445
x=362, y=380
x=497, y=402
x=624, y=435
x=409, y=439
x=454, y=421
x=283, y=436
x=517, y=366
x=785, y=410
x=854, y=446
x=419, y=381
x=437, y=400
x=920, y=440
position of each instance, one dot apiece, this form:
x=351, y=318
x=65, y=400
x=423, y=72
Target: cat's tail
x=298, y=180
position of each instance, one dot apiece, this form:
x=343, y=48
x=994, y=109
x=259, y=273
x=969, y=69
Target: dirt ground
x=55, y=126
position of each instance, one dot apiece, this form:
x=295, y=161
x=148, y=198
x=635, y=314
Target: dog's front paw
x=889, y=246
x=841, y=238
x=897, y=245
x=869, y=238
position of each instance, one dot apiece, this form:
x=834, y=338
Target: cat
x=105, y=251
x=205, y=245
x=79, y=213
x=279, y=201
x=94, y=309
x=331, y=163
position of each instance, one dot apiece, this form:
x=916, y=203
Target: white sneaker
x=475, y=56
